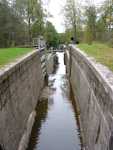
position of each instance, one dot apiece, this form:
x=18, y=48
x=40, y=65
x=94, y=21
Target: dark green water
x=56, y=126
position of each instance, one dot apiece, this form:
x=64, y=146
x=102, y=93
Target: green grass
x=101, y=52
x=10, y=54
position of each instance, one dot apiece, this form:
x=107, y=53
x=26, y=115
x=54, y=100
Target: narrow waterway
x=56, y=126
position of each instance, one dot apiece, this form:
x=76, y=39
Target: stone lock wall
x=92, y=84
x=20, y=85
x=50, y=63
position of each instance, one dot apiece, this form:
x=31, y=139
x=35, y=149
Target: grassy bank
x=9, y=54
x=101, y=52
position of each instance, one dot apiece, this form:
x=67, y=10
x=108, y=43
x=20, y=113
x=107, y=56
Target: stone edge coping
x=9, y=68
x=104, y=74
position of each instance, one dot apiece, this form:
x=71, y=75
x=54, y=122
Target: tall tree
x=51, y=35
x=70, y=13
x=32, y=12
x=11, y=27
x=91, y=17
x=38, y=21
x=105, y=22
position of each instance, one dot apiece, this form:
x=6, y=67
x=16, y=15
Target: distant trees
x=23, y=20
x=64, y=38
x=105, y=22
x=51, y=35
x=72, y=18
x=99, y=22
x=12, y=29
x=91, y=17
x=30, y=11
x=70, y=13
x=89, y=22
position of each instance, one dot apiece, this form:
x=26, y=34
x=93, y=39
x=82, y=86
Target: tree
x=38, y=22
x=11, y=27
x=51, y=35
x=62, y=38
x=90, y=23
x=32, y=12
x=72, y=15
x=20, y=21
x=105, y=22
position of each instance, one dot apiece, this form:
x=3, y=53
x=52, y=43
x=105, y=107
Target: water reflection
x=41, y=116
x=56, y=127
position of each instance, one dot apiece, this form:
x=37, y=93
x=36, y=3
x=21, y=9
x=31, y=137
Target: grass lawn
x=9, y=54
x=101, y=52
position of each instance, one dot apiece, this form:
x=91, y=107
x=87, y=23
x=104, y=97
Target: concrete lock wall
x=50, y=63
x=92, y=84
x=20, y=86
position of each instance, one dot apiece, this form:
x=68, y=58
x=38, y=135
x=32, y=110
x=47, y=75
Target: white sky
x=55, y=8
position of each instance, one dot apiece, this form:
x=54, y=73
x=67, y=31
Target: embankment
x=20, y=86
x=92, y=85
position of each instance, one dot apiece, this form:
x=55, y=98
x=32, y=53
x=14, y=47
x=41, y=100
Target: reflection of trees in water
x=65, y=86
x=55, y=68
x=41, y=116
x=68, y=92
x=50, y=101
x=56, y=64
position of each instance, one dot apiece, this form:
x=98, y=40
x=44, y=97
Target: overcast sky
x=55, y=8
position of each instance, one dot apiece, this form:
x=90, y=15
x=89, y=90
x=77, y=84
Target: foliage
x=105, y=23
x=23, y=20
x=90, y=24
x=11, y=27
x=73, y=19
x=70, y=13
x=32, y=12
x=51, y=35
x=64, y=38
